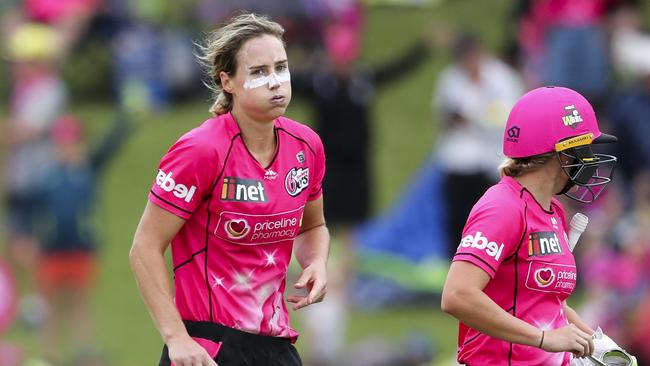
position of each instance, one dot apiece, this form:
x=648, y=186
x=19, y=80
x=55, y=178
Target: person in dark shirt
x=628, y=113
x=342, y=96
x=68, y=262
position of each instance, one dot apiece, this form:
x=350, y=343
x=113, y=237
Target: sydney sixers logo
x=237, y=228
x=544, y=276
x=296, y=181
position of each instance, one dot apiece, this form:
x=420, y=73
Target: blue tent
x=406, y=245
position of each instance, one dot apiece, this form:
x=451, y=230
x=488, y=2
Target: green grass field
x=403, y=137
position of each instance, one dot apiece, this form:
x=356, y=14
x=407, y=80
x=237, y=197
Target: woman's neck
x=539, y=185
x=259, y=136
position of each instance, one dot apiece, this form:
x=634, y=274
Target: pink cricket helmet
x=546, y=116
x=560, y=120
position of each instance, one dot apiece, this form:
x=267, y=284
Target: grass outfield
x=403, y=138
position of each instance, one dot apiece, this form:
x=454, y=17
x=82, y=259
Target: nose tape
x=271, y=80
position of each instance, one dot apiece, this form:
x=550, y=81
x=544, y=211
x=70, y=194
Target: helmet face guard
x=588, y=173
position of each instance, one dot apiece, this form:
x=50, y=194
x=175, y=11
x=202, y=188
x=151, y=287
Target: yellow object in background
x=32, y=42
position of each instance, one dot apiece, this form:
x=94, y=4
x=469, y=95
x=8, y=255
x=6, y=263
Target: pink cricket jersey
x=231, y=256
x=524, y=249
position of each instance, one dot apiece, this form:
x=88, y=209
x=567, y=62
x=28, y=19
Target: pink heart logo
x=544, y=276
x=237, y=228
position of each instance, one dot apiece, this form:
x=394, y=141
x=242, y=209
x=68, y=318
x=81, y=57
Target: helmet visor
x=587, y=171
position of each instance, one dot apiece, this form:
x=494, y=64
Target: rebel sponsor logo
x=242, y=190
x=544, y=276
x=168, y=184
x=478, y=241
x=551, y=277
x=543, y=243
x=296, y=181
x=247, y=229
x=237, y=228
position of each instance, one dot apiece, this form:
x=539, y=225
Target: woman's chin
x=276, y=112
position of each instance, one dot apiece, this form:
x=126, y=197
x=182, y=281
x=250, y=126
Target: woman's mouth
x=278, y=99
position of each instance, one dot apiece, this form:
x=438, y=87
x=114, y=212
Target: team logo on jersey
x=544, y=276
x=478, y=241
x=242, y=190
x=167, y=183
x=296, y=181
x=237, y=228
x=300, y=157
x=543, y=243
x=572, y=118
x=270, y=175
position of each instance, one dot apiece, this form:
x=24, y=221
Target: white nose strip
x=271, y=80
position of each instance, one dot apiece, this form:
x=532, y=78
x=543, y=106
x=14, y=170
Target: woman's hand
x=184, y=351
x=568, y=339
x=314, y=279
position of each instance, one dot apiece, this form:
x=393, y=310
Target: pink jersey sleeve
x=493, y=231
x=185, y=176
x=316, y=189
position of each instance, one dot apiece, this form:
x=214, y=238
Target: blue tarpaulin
x=408, y=243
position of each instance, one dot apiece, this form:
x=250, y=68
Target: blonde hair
x=514, y=167
x=220, y=48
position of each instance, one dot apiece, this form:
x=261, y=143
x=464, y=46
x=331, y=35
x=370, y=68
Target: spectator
x=563, y=43
x=629, y=108
x=37, y=99
x=68, y=264
x=342, y=95
x=69, y=18
x=630, y=45
x=628, y=112
x=473, y=96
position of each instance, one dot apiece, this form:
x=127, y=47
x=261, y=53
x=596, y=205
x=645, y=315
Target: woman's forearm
x=574, y=318
x=312, y=246
x=148, y=265
x=475, y=309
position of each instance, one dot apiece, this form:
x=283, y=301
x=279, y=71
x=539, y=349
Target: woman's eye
x=281, y=68
x=258, y=72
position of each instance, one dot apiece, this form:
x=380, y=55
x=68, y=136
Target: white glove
x=606, y=353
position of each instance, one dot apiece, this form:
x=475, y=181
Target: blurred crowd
x=600, y=48
x=51, y=175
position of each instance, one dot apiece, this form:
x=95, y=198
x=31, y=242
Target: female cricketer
x=234, y=197
x=513, y=269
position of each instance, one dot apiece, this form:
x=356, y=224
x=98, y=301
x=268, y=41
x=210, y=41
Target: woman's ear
x=226, y=82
